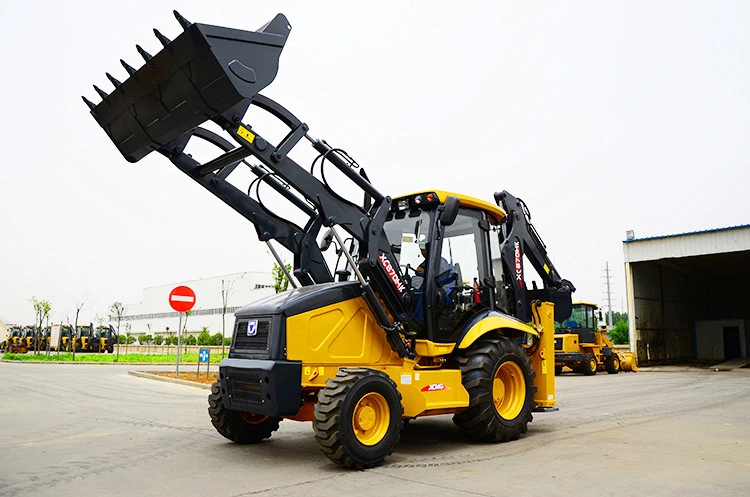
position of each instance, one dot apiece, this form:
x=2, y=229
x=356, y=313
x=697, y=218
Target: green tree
x=158, y=340
x=216, y=339
x=280, y=281
x=204, y=338
x=619, y=316
x=42, y=309
x=191, y=340
x=184, y=322
x=116, y=311
x=619, y=334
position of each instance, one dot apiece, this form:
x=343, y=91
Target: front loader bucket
x=204, y=72
x=628, y=362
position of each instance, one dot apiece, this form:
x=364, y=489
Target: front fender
x=486, y=321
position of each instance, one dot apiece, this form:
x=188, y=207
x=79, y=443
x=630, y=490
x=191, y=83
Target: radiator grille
x=245, y=387
x=256, y=340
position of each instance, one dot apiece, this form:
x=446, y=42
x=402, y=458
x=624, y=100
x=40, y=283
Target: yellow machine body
x=346, y=334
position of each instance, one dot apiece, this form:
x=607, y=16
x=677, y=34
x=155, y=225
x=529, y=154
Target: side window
x=458, y=275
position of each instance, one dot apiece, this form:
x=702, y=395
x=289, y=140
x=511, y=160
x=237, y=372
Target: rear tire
x=612, y=364
x=358, y=418
x=558, y=370
x=498, y=376
x=589, y=364
x=238, y=426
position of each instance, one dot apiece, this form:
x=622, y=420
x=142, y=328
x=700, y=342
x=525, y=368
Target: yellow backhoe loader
x=427, y=310
x=104, y=339
x=84, y=338
x=13, y=342
x=583, y=345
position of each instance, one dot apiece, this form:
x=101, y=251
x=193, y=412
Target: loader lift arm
x=215, y=73
x=310, y=266
x=519, y=238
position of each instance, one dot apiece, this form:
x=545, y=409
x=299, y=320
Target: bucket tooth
x=102, y=94
x=183, y=22
x=89, y=103
x=164, y=41
x=146, y=56
x=115, y=83
x=129, y=68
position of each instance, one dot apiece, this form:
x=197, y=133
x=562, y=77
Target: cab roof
x=586, y=303
x=494, y=211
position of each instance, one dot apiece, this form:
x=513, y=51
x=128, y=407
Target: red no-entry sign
x=182, y=299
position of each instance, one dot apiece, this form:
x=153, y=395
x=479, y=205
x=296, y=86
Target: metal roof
x=688, y=233
x=730, y=240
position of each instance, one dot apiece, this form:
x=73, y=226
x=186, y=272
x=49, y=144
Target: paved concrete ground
x=94, y=430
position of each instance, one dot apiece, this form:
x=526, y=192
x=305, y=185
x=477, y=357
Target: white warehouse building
x=154, y=315
x=689, y=295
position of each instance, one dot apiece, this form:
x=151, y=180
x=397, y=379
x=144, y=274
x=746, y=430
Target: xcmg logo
x=391, y=273
x=434, y=387
x=519, y=266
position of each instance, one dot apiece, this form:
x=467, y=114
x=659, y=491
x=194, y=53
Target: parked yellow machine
x=28, y=337
x=65, y=334
x=13, y=341
x=583, y=345
x=83, y=339
x=427, y=311
x=103, y=340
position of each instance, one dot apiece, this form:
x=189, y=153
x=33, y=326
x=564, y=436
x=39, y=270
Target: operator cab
x=583, y=321
x=445, y=262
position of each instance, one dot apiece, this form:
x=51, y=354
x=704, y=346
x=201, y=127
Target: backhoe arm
x=519, y=239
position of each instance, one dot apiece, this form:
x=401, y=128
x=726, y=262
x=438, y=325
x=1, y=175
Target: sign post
x=204, y=355
x=182, y=299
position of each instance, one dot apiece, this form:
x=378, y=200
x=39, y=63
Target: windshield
x=581, y=317
x=405, y=234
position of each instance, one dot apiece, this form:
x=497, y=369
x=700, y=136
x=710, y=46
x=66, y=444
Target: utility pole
x=607, y=280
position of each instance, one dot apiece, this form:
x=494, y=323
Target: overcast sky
x=603, y=116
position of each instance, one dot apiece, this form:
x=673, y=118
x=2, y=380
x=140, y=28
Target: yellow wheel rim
x=509, y=390
x=592, y=364
x=371, y=418
x=251, y=418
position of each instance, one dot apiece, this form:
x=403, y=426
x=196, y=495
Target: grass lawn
x=109, y=358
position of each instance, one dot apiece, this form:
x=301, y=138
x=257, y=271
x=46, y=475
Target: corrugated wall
x=665, y=304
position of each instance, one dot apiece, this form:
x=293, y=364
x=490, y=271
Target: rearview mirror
x=450, y=210
x=326, y=241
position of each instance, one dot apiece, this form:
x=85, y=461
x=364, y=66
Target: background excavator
x=360, y=347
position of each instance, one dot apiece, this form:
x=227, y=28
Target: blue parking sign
x=203, y=355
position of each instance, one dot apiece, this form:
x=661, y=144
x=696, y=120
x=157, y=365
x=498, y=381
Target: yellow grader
x=427, y=310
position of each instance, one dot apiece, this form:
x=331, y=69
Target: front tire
x=358, y=418
x=238, y=426
x=612, y=364
x=589, y=364
x=498, y=376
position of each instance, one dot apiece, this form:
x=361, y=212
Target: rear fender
x=487, y=322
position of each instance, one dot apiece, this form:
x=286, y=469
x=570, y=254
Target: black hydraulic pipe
x=345, y=168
